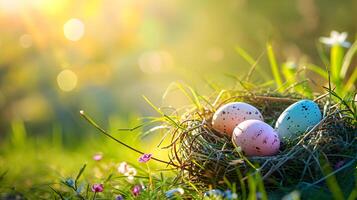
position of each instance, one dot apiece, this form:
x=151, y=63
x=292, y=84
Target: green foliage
x=340, y=63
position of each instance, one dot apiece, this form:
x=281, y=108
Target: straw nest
x=207, y=158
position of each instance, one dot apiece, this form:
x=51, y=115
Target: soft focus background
x=59, y=56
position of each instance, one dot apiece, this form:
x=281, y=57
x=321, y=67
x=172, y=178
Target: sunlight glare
x=73, y=29
x=10, y=6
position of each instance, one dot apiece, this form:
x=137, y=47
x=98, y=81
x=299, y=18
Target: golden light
x=67, y=80
x=10, y=6
x=215, y=54
x=25, y=41
x=19, y=6
x=155, y=61
x=73, y=29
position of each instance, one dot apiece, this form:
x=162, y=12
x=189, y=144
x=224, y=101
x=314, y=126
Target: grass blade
x=322, y=54
x=251, y=61
x=194, y=98
x=242, y=184
x=318, y=70
x=173, y=122
x=245, y=55
x=261, y=187
x=153, y=106
x=347, y=59
x=331, y=181
x=266, y=84
x=58, y=193
x=252, y=188
x=336, y=59
x=274, y=67
x=79, y=174
x=351, y=81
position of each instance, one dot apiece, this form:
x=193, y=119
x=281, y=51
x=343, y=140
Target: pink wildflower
x=98, y=187
x=98, y=156
x=145, y=158
x=136, y=190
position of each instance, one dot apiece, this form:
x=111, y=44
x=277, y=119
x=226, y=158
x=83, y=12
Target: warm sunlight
x=73, y=29
x=178, y=99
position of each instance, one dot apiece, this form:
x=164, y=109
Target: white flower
x=123, y=167
x=127, y=170
x=131, y=173
x=290, y=64
x=336, y=38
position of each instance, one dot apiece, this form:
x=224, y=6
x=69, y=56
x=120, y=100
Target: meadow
x=95, y=96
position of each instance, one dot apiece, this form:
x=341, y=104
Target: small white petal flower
x=130, y=172
x=290, y=64
x=336, y=38
x=123, y=167
x=130, y=178
x=127, y=170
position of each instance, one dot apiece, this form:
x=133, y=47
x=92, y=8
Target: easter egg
x=228, y=116
x=297, y=119
x=256, y=138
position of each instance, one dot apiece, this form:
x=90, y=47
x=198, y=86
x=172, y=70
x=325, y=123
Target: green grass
x=31, y=166
x=40, y=171
x=41, y=168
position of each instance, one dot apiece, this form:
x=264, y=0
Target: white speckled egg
x=297, y=119
x=256, y=138
x=228, y=116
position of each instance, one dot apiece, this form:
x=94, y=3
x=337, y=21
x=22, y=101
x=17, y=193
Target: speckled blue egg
x=297, y=119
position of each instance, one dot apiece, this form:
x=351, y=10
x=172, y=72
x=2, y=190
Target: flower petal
x=326, y=40
x=345, y=44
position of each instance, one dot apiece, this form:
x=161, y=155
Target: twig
x=86, y=117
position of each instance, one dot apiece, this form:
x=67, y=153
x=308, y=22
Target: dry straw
x=206, y=158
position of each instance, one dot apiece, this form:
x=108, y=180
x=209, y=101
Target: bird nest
x=207, y=158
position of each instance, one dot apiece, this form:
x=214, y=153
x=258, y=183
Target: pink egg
x=256, y=138
x=228, y=116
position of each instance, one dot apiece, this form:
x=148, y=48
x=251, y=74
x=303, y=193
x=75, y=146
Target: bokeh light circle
x=67, y=80
x=73, y=29
x=155, y=61
x=25, y=41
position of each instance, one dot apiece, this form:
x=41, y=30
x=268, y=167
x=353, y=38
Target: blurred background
x=59, y=56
